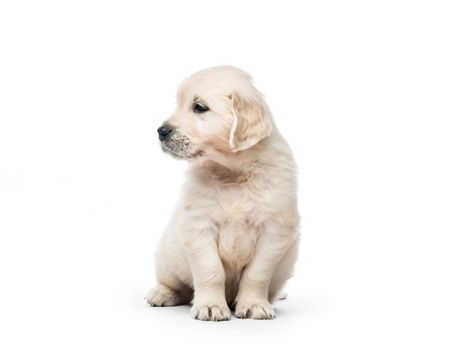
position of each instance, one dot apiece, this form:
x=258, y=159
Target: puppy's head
x=219, y=112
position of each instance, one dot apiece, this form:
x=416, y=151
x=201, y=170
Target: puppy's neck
x=233, y=167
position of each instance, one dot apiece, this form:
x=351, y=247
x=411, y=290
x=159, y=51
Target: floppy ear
x=251, y=122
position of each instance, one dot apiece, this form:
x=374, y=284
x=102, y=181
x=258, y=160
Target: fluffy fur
x=233, y=239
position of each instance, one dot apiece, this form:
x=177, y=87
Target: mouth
x=173, y=152
x=180, y=147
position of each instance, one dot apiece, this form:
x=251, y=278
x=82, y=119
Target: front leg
x=209, y=303
x=252, y=298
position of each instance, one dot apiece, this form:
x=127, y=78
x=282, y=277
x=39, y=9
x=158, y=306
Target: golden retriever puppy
x=233, y=239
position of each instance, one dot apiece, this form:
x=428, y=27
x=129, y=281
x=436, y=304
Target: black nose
x=164, y=131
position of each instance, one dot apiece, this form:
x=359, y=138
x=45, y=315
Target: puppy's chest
x=237, y=230
x=235, y=203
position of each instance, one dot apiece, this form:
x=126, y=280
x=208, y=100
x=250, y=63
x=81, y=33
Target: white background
x=372, y=98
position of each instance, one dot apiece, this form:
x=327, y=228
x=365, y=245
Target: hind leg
x=162, y=295
x=173, y=276
x=283, y=273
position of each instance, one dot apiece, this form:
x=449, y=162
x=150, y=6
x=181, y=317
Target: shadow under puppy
x=233, y=238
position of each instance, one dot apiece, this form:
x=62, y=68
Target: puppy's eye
x=199, y=108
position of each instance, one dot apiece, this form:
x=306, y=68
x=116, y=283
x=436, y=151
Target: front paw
x=210, y=312
x=256, y=309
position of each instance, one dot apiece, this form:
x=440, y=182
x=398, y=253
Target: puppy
x=233, y=239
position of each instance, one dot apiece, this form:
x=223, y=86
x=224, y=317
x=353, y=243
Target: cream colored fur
x=233, y=238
